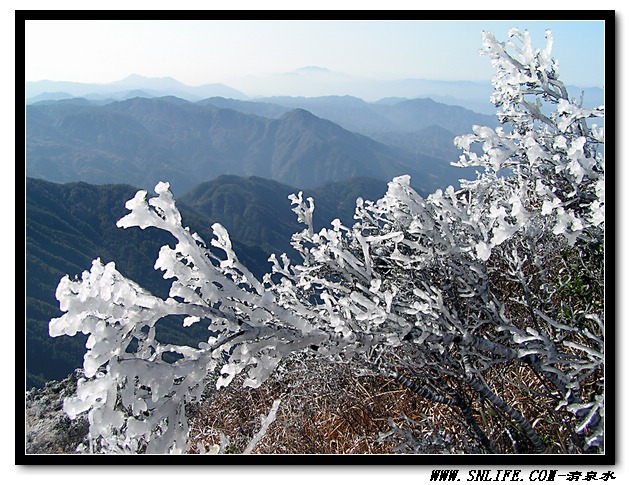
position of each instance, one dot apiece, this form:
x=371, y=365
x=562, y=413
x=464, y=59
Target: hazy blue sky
x=199, y=52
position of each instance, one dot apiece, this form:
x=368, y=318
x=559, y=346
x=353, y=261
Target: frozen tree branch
x=444, y=288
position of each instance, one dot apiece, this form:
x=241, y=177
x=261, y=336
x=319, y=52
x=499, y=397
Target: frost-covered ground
x=47, y=428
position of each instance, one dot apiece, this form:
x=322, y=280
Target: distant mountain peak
x=421, y=101
x=306, y=119
x=299, y=114
x=313, y=69
x=133, y=77
x=139, y=81
x=302, y=112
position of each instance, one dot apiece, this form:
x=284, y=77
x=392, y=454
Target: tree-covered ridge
x=139, y=141
x=67, y=225
x=256, y=211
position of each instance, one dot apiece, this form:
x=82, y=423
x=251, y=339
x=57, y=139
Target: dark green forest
x=67, y=226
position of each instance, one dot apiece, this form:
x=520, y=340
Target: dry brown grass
x=327, y=409
x=521, y=388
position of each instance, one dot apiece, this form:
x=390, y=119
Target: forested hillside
x=257, y=211
x=69, y=225
x=142, y=141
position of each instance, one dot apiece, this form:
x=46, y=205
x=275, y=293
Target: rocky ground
x=48, y=429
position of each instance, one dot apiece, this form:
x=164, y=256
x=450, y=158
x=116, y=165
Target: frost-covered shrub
x=437, y=293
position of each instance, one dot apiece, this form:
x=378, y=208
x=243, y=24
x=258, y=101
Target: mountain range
x=130, y=87
x=141, y=141
x=311, y=81
x=229, y=159
x=398, y=115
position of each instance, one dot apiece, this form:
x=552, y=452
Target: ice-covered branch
x=451, y=285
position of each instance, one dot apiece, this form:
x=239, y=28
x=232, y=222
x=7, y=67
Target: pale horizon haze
x=241, y=52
